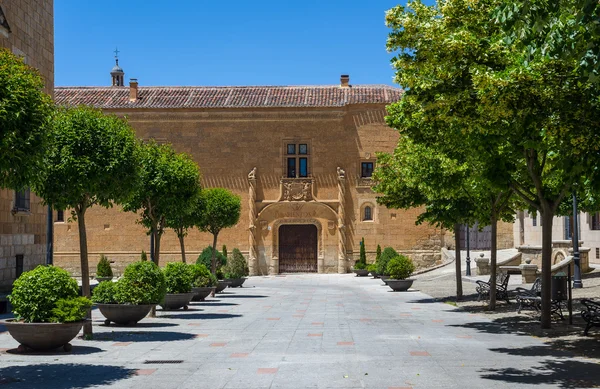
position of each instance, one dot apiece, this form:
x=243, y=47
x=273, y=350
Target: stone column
x=252, y=256
x=342, y=268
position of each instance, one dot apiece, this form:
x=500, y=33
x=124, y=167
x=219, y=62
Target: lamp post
x=152, y=247
x=49, y=236
x=468, y=253
x=577, y=261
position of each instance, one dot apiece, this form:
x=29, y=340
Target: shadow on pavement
x=141, y=336
x=559, y=374
x=76, y=350
x=201, y=316
x=63, y=375
x=138, y=325
x=241, y=296
x=210, y=304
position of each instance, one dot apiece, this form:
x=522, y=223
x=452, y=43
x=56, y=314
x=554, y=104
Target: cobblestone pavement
x=305, y=331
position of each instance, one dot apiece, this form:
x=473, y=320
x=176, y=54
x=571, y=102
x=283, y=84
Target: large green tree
x=165, y=183
x=521, y=114
x=90, y=160
x=220, y=209
x=180, y=220
x=25, y=113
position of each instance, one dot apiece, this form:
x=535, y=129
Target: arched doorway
x=298, y=248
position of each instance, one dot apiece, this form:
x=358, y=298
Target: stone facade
x=28, y=31
x=243, y=148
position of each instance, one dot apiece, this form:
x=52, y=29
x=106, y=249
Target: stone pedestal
x=528, y=272
x=584, y=258
x=483, y=266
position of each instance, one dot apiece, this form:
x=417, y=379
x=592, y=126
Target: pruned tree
x=220, y=209
x=165, y=183
x=180, y=220
x=25, y=115
x=90, y=160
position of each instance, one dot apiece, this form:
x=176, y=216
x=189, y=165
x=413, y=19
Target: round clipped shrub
x=179, y=277
x=206, y=256
x=142, y=283
x=105, y=292
x=372, y=267
x=103, y=269
x=400, y=267
x=388, y=253
x=202, y=278
x=35, y=293
x=236, y=267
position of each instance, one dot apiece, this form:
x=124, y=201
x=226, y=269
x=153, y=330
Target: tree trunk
x=213, y=262
x=157, y=248
x=182, y=248
x=493, y=259
x=547, y=218
x=457, y=262
x=85, y=270
x=521, y=227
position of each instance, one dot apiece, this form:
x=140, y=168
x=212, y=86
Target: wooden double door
x=298, y=248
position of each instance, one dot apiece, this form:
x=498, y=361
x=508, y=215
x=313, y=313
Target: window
x=297, y=160
x=22, y=200
x=534, y=220
x=366, y=169
x=19, y=265
x=595, y=222
x=60, y=215
x=597, y=253
x=368, y=214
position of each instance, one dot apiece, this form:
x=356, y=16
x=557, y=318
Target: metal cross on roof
x=116, y=53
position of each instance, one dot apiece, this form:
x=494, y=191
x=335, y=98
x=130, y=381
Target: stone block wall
x=32, y=36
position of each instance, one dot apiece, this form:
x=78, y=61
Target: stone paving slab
x=303, y=331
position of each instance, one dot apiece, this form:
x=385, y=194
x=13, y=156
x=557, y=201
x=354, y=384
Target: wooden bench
x=591, y=314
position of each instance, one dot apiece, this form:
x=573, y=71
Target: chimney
x=345, y=81
x=133, y=90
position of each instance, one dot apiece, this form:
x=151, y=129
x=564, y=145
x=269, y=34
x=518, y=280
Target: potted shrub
x=203, y=282
x=360, y=267
x=372, y=268
x=236, y=269
x=388, y=253
x=205, y=258
x=49, y=312
x=178, y=277
x=129, y=300
x=103, y=270
x=399, y=269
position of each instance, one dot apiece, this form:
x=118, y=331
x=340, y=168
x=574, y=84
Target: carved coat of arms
x=296, y=190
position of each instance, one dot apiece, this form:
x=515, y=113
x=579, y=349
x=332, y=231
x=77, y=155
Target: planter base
x=175, y=301
x=399, y=285
x=235, y=282
x=43, y=336
x=361, y=272
x=124, y=314
x=201, y=293
x=221, y=286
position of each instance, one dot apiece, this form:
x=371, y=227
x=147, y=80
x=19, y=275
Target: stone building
x=300, y=157
x=27, y=29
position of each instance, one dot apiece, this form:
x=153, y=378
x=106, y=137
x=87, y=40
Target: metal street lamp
x=468, y=252
x=49, y=235
x=577, y=261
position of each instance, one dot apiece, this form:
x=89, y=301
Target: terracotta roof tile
x=228, y=97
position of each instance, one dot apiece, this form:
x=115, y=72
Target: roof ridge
x=382, y=86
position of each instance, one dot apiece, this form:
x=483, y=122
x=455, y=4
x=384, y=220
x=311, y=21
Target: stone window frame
x=22, y=204
x=595, y=221
x=284, y=156
x=4, y=26
x=363, y=207
x=60, y=216
x=365, y=182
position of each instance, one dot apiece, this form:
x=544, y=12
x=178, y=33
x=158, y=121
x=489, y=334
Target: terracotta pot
x=361, y=272
x=201, y=293
x=173, y=301
x=43, y=336
x=235, y=282
x=399, y=285
x=124, y=314
x=221, y=286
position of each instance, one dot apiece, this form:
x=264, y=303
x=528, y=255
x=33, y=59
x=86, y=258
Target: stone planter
x=361, y=272
x=399, y=285
x=235, y=282
x=201, y=293
x=102, y=279
x=43, y=336
x=384, y=279
x=124, y=314
x=221, y=285
x=173, y=301
x=374, y=274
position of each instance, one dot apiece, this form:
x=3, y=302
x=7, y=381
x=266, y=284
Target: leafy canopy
x=25, y=114
x=221, y=209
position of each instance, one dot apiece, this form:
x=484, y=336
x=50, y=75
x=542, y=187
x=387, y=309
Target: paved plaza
x=304, y=331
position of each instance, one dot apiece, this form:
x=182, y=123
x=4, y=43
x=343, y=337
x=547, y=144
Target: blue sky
x=199, y=42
